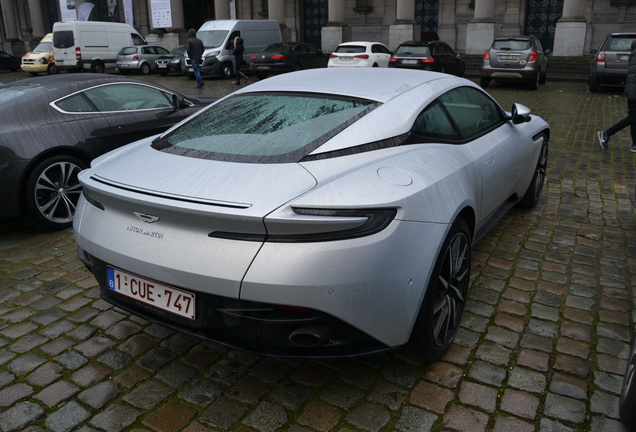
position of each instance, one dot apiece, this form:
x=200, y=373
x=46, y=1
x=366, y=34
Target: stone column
x=570, y=32
x=405, y=25
x=481, y=30
x=221, y=9
x=37, y=21
x=10, y=20
x=446, y=28
x=336, y=31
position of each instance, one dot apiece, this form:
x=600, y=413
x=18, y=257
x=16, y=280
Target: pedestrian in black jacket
x=239, y=50
x=195, y=49
x=630, y=120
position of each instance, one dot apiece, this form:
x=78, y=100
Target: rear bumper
x=252, y=326
x=609, y=76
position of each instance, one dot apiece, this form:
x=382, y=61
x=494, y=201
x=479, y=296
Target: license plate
x=59, y=62
x=124, y=65
x=162, y=66
x=508, y=57
x=153, y=293
x=346, y=58
x=409, y=61
x=262, y=67
x=622, y=57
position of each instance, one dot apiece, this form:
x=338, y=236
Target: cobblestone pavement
x=543, y=344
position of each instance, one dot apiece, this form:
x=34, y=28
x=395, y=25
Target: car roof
x=408, y=43
x=377, y=84
x=526, y=37
x=360, y=43
x=65, y=83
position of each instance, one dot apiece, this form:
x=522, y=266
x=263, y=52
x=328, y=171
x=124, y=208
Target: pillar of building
x=336, y=30
x=405, y=25
x=221, y=9
x=37, y=20
x=481, y=31
x=276, y=11
x=570, y=31
x=10, y=20
x=446, y=27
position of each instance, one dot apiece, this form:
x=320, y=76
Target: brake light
x=78, y=53
x=334, y=56
x=393, y=60
x=278, y=57
x=252, y=57
x=600, y=57
x=487, y=55
x=429, y=60
x=135, y=57
x=362, y=56
x=533, y=57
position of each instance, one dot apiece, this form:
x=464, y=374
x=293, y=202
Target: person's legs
x=630, y=120
x=197, y=73
x=631, y=115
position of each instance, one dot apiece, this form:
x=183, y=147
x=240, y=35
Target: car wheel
x=52, y=69
x=441, y=311
x=227, y=70
x=627, y=401
x=53, y=190
x=533, y=193
x=375, y=65
x=592, y=84
x=97, y=67
x=484, y=82
x=144, y=69
x=534, y=82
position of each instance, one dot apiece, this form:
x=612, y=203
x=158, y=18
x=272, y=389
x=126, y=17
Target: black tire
x=627, y=401
x=52, y=191
x=144, y=68
x=441, y=311
x=52, y=69
x=97, y=67
x=484, y=82
x=534, y=81
x=592, y=84
x=533, y=193
x=543, y=77
x=227, y=70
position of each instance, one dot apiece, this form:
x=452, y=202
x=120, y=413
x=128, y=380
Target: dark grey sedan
x=609, y=65
x=53, y=126
x=287, y=57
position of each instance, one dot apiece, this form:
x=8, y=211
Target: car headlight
x=175, y=61
x=42, y=60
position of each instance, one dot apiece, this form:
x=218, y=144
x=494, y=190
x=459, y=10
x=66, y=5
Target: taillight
x=362, y=56
x=78, y=53
x=487, y=55
x=429, y=60
x=135, y=57
x=252, y=57
x=278, y=57
x=334, y=56
x=600, y=57
x=533, y=56
x=393, y=60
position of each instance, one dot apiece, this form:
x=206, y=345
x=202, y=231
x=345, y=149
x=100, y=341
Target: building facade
x=567, y=27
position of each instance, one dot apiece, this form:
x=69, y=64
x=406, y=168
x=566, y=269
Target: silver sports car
x=327, y=212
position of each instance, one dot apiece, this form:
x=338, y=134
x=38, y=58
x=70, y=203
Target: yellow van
x=41, y=59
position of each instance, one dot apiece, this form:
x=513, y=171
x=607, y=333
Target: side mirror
x=519, y=114
x=178, y=102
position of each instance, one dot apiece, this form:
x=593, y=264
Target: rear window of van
x=63, y=39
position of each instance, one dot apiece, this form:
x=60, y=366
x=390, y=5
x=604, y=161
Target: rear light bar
x=429, y=60
x=78, y=53
x=278, y=57
x=533, y=57
x=362, y=56
x=487, y=55
x=600, y=57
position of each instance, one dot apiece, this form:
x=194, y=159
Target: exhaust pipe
x=310, y=336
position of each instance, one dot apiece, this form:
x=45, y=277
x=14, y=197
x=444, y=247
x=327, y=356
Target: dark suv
x=436, y=56
x=609, y=65
x=516, y=57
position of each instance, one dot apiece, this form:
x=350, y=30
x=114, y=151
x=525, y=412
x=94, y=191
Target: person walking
x=239, y=49
x=195, y=49
x=630, y=90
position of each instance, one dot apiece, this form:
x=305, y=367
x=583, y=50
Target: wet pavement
x=543, y=344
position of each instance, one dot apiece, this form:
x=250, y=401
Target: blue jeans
x=197, y=72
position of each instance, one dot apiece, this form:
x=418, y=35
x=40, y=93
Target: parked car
x=435, y=56
x=139, y=58
x=171, y=62
x=72, y=118
x=40, y=60
x=515, y=58
x=360, y=54
x=609, y=65
x=9, y=62
x=627, y=401
x=291, y=216
x=287, y=57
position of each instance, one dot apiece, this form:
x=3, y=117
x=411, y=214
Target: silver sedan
x=319, y=213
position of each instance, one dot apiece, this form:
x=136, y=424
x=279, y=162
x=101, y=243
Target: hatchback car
x=609, y=65
x=286, y=57
x=9, y=62
x=72, y=118
x=515, y=58
x=171, y=62
x=360, y=54
x=139, y=58
x=291, y=217
x=435, y=56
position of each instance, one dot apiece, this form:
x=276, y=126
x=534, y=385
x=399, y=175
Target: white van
x=91, y=45
x=218, y=39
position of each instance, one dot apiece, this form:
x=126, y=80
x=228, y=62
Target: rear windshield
x=516, y=45
x=264, y=127
x=621, y=43
x=127, y=51
x=413, y=51
x=277, y=47
x=63, y=39
x=351, y=49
